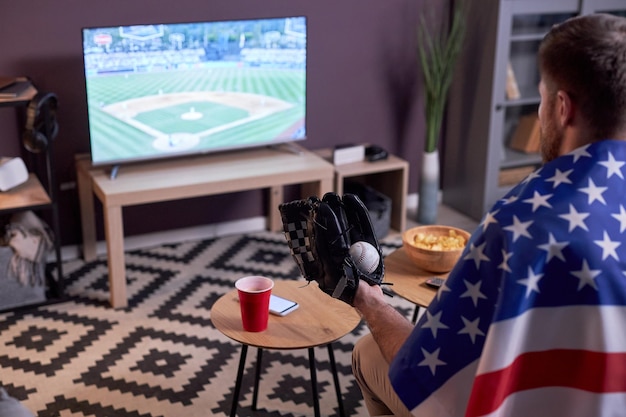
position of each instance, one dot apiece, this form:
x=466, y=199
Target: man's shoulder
x=567, y=193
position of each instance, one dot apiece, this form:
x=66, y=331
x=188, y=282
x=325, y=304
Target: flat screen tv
x=165, y=90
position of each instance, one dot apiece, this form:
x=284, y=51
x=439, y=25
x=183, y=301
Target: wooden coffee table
x=319, y=321
x=409, y=281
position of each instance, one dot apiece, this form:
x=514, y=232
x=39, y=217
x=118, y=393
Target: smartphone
x=435, y=282
x=280, y=306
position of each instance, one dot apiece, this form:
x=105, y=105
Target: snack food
x=453, y=241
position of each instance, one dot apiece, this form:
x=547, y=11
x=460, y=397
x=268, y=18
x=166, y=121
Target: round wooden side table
x=319, y=321
x=409, y=281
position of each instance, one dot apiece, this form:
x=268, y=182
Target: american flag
x=532, y=320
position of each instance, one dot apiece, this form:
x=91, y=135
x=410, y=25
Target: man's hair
x=585, y=56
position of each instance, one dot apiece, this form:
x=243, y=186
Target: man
x=532, y=319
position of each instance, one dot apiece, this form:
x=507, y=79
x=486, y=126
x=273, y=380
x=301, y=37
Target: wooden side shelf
x=28, y=195
x=388, y=176
x=38, y=192
x=151, y=182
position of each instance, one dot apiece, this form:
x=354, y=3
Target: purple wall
x=362, y=84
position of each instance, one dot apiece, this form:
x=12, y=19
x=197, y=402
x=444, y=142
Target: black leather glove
x=320, y=234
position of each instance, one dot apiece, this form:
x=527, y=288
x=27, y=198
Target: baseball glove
x=320, y=234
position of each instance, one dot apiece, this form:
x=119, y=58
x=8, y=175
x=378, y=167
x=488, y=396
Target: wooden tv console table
x=158, y=181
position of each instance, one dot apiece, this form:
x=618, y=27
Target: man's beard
x=551, y=139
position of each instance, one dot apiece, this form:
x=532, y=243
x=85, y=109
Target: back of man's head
x=585, y=56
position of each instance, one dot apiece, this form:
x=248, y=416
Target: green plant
x=438, y=54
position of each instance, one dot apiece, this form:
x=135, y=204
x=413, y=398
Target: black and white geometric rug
x=162, y=356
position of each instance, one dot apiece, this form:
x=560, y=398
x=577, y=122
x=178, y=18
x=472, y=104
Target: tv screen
x=163, y=90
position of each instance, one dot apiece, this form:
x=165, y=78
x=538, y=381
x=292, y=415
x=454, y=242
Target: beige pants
x=370, y=371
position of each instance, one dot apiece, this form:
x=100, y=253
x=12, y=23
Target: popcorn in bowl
x=435, y=248
x=453, y=241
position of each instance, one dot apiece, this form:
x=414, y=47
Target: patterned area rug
x=162, y=356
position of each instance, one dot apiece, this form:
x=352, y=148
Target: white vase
x=428, y=197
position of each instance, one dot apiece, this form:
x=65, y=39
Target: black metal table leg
x=242, y=364
x=333, y=367
x=312, y=368
x=255, y=394
x=415, y=314
x=316, y=400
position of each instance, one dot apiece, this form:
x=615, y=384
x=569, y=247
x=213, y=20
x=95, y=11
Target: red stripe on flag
x=581, y=369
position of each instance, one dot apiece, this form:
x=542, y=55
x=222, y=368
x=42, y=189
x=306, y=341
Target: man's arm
x=388, y=327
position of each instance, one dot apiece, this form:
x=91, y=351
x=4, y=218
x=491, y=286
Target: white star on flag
x=476, y=253
x=608, y=247
x=586, y=276
x=510, y=199
x=489, y=218
x=519, y=228
x=431, y=360
x=560, y=178
x=531, y=281
x=539, y=200
x=575, y=218
x=613, y=167
x=621, y=218
x=580, y=152
x=442, y=289
x=473, y=291
x=505, y=261
x=532, y=176
x=594, y=192
x=433, y=322
x=471, y=328
x=553, y=248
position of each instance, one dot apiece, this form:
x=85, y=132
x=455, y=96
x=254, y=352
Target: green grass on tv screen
x=232, y=109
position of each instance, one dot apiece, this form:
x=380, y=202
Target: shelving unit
x=37, y=193
x=389, y=176
x=479, y=167
x=603, y=6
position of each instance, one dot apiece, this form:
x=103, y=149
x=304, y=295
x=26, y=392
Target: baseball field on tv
x=158, y=102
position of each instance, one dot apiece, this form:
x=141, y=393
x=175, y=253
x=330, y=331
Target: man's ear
x=565, y=108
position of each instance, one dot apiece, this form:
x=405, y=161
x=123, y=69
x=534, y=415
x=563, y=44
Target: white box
x=13, y=172
x=349, y=155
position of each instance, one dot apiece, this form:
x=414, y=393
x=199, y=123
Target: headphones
x=41, y=122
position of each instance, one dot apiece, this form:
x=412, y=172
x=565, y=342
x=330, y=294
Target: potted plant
x=438, y=53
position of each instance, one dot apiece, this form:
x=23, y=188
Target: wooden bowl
x=439, y=261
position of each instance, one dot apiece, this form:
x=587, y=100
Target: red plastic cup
x=254, y=301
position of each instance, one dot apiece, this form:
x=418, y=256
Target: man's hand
x=368, y=295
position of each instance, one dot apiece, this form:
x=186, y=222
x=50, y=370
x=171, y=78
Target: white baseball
x=365, y=256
